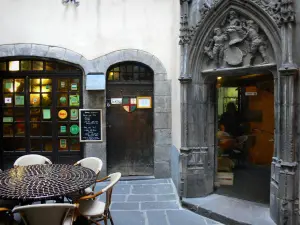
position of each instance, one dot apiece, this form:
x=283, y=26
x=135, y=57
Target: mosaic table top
x=43, y=182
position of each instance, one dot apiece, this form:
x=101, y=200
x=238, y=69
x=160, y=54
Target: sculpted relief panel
x=237, y=41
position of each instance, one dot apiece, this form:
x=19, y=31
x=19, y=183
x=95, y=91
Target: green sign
x=63, y=100
x=8, y=119
x=74, y=129
x=74, y=114
x=74, y=87
x=63, y=129
x=8, y=85
x=19, y=100
x=74, y=100
x=63, y=143
x=46, y=114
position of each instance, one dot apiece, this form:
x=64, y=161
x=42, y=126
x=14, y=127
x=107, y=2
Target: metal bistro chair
x=31, y=159
x=47, y=214
x=6, y=216
x=95, y=210
x=94, y=164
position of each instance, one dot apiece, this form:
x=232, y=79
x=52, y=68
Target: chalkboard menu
x=90, y=122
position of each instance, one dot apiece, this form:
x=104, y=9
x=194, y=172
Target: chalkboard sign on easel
x=90, y=123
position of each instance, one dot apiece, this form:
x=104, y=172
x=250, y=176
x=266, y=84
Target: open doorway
x=245, y=136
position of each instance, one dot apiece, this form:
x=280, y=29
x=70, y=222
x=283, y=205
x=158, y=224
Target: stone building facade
x=94, y=36
x=226, y=37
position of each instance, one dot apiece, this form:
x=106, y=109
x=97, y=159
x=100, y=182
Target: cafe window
x=40, y=107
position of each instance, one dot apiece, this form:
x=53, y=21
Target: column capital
x=185, y=78
x=288, y=70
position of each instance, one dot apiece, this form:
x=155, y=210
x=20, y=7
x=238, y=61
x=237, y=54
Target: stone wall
x=96, y=99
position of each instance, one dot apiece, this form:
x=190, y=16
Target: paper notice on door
x=46, y=114
x=116, y=101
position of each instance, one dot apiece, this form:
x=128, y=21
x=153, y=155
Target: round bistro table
x=44, y=182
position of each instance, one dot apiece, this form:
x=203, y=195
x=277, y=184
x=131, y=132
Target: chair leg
x=110, y=217
x=94, y=221
x=105, y=220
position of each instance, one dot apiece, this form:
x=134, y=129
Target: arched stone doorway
x=129, y=126
x=231, y=39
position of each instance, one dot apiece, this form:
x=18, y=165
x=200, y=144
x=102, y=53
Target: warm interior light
x=219, y=78
x=14, y=66
x=17, y=84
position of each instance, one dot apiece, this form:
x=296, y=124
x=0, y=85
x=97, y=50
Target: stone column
x=286, y=162
x=185, y=79
x=284, y=200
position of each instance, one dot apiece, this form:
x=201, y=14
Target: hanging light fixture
x=75, y=2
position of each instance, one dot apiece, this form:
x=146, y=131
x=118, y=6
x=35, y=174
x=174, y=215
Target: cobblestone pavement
x=150, y=202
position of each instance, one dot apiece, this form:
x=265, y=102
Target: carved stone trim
x=234, y=39
x=280, y=11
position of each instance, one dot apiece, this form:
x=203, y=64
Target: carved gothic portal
x=236, y=42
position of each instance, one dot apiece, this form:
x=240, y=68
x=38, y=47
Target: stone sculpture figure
x=257, y=42
x=216, y=47
x=235, y=28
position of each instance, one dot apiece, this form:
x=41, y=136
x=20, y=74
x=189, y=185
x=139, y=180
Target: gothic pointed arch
x=234, y=34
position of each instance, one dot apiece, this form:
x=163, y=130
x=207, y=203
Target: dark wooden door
x=129, y=134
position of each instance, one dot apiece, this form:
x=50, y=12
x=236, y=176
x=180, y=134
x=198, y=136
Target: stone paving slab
x=230, y=210
x=150, y=202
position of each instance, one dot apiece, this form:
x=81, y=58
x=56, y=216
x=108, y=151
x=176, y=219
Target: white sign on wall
x=116, y=101
x=144, y=102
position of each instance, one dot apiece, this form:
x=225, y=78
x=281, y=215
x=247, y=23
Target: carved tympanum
x=236, y=38
x=281, y=11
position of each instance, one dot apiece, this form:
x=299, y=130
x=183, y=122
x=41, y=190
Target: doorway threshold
x=231, y=211
x=128, y=178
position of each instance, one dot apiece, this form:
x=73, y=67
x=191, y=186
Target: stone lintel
x=239, y=70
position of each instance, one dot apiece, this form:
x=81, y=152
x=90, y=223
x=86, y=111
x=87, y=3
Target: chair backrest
x=114, y=178
x=45, y=214
x=31, y=159
x=92, y=163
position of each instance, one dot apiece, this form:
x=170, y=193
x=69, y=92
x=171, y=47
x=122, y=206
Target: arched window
x=35, y=65
x=129, y=71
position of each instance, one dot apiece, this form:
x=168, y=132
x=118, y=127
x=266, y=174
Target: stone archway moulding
x=162, y=88
x=217, y=14
x=99, y=64
x=47, y=51
x=162, y=102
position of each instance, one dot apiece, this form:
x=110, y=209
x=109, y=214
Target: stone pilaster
x=194, y=164
x=284, y=165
